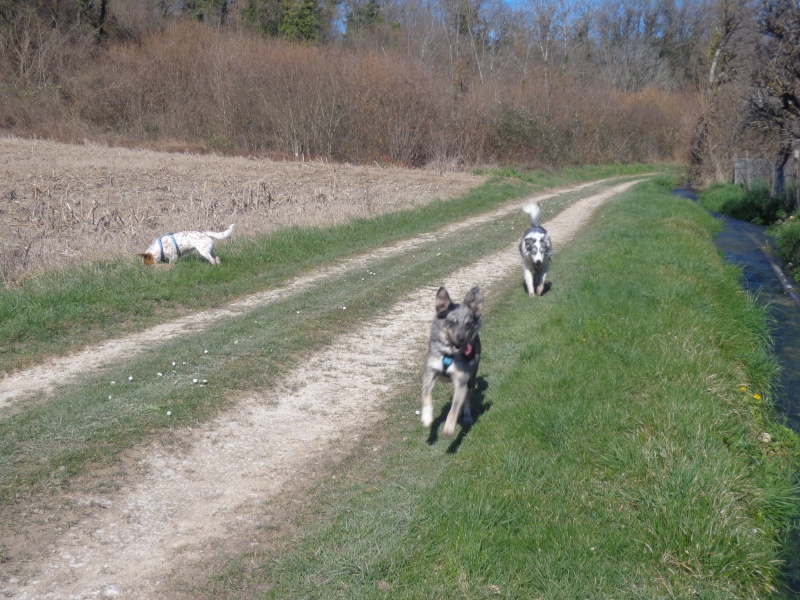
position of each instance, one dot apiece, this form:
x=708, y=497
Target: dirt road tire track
x=207, y=500
x=59, y=371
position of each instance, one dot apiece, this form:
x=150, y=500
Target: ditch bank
x=751, y=249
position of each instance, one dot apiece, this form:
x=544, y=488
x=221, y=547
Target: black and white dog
x=536, y=249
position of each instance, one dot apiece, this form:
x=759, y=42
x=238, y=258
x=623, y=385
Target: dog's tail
x=534, y=212
x=222, y=235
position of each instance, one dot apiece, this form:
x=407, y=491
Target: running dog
x=536, y=249
x=174, y=245
x=454, y=351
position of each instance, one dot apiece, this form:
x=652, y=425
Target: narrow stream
x=746, y=245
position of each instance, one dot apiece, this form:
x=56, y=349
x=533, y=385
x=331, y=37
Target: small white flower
x=194, y=380
x=205, y=351
x=344, y=308
x=130, y=377
x=173, y=363
x=169, y=413
x=416, y=412
x=205, y=380
x=113, y=383
x=109, y=397
x=160, y=374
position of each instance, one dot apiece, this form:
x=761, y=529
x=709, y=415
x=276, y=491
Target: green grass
x=63, y=310
x=787, y=242
x=570, y=175
x=755, y=205
x=50, y=439
x=616, y=454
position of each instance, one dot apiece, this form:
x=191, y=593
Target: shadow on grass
x=547, y=285
x=790, y=571
x=478, y=408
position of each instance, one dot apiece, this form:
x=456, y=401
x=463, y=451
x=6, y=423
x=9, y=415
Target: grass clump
x=760, y=207
x=787, y=241
x=756, y=205
x=619, y=451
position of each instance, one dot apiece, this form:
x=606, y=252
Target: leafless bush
x=397, y=107
x=532, y=125
x=33, y=53
x=230, y=90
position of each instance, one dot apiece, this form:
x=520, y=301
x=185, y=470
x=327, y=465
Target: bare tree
x=720, y=133
x=549, y=23
x=776, y=98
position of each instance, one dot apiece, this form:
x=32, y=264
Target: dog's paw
x=467, y=419
x=449, y=429
x=427, y=416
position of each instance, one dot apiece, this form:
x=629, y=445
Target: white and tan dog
x=536, y=250
x=172, y=246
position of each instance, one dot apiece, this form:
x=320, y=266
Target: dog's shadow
x=547, y=285
x=478, y=408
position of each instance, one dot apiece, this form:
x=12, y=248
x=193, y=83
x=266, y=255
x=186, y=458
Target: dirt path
x=43, y=378
x=187, y=507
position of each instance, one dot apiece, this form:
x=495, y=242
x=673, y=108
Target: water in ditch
x=747, y=246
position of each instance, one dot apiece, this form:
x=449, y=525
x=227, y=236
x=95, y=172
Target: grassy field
x=618, y=450
x=67, y=309
x=619, y=453
x=47, y=441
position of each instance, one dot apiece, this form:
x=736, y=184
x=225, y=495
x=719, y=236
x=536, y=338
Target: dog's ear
x=443, y=301
x=148, y=258
x=474, y=299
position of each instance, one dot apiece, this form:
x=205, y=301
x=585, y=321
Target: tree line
x=529, y=83
x=750, y=102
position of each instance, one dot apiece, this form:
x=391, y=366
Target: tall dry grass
x=66, y=205
x=232, y=91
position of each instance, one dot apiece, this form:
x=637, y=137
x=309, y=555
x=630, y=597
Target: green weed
x=757, y=205
x=63, y=310
x=617, y=453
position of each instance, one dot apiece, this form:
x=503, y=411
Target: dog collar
x=161, y=246
x=466, y=352
x=175, y=243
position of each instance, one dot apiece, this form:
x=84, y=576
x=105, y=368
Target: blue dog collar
x=161, y=246
x=177, y=249
x=466, y=352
